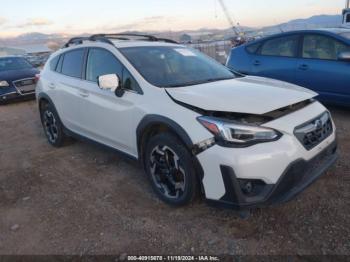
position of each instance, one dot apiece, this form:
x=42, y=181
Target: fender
x=153, y=120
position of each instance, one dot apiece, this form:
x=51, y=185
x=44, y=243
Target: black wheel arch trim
x=43, y=96
x=153, y=120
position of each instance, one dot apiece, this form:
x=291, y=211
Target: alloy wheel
x=167, y=173
x=50, y=125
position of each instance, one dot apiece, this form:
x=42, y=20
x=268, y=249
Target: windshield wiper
x=210, y=80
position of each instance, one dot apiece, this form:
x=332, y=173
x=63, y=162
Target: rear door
x=320, y=70
x=69, y=92
x=277, y=58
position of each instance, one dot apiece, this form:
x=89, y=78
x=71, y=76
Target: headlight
x=4, y=84
x=236, y=134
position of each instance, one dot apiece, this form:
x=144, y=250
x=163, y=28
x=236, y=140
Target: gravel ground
x=82, y=199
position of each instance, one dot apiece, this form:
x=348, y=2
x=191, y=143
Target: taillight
x=37, y=78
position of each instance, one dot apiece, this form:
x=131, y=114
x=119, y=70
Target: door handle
x=52, y=85
x=83, y=93
x=304, y=67
x=257, y=63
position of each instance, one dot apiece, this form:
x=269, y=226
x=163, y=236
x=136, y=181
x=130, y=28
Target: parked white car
x=195, y=126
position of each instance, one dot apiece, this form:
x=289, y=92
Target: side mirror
x=344, y=56
x=108, y=82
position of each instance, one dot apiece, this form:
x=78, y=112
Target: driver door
x=108, y=117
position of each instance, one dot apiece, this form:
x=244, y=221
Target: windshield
x=175, y=66
x=13, y=63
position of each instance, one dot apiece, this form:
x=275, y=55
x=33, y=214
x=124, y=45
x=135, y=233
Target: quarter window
x=129, y=83
x=283, y=46
x=322, y=47
x=102, y=62
x=53, y=63
x=59, y=65
x=72, y=63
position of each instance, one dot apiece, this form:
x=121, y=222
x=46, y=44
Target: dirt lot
x=82, y=199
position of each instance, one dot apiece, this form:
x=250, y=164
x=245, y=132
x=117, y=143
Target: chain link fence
x=219, y=50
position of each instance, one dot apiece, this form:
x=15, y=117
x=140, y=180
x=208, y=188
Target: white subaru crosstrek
x=195, y=126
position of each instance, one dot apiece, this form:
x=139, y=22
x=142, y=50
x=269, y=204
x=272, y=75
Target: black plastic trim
x=98, y=144
x=153, y=120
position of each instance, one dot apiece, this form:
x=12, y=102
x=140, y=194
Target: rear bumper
x=296, y=178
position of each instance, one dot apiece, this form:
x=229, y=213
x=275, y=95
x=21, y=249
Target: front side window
x=14, y=63
x=168, y=66
x=73, y=63
x=253, y=48
x=102, y=62
x=322, y=47
x=283, y=46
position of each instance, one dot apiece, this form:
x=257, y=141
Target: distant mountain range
x=297, y=24
x=319, y=21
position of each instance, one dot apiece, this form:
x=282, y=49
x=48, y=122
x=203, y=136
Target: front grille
x=25, y=86
x=315, y=131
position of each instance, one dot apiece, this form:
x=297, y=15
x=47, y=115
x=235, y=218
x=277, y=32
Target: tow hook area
x=203, y=146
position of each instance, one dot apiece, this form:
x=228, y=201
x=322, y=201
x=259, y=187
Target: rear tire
x=52, y=125
x=170, y=169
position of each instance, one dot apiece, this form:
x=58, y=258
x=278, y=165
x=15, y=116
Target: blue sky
x=77, y=16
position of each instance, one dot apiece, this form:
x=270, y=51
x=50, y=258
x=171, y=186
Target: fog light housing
x=251, y=187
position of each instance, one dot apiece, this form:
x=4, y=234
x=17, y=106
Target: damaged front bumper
x=295, y=179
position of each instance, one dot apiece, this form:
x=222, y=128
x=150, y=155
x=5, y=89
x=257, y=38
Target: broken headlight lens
x=231, y=133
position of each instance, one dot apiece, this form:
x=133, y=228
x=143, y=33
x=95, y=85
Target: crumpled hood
x=250, y=95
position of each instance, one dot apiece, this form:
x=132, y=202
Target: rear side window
x=283, y=46
x=73, y=63
x=53, y=63
x=102, y=62
x=322, y=47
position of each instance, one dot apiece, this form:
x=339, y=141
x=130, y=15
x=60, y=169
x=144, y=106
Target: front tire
x=52, y=125
x=170, y=169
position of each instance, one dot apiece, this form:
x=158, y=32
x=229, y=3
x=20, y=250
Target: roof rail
x=131, y=36
x=105, y=38
x=80, y=40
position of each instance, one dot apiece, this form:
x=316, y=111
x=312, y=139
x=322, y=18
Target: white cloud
x=149, y=23
x=37, y=22
x=2, y=20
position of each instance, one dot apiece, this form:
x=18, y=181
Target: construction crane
x=229, y=18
